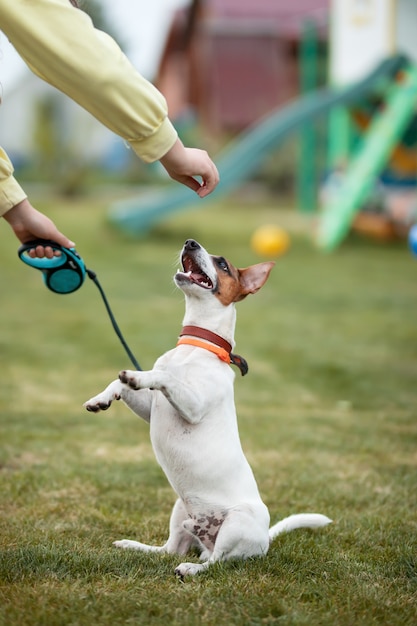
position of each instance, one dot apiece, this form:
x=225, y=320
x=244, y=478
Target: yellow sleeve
x=60, y=44
x=11, y=192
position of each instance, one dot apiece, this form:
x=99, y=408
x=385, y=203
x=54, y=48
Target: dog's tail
x=302, y=520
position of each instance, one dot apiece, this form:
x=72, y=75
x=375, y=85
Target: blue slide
x=239, y=159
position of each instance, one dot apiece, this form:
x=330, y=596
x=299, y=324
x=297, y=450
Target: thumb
x=62, y=240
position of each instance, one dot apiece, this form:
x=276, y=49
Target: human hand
x=28, y=224
x=185, y=164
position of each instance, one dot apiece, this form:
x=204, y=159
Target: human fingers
x=200, y=165
x=188, y=166
x=208, y=174
x=53, y=234
x=188, y=181
x=202, y=189
x=41, y=252
x=210, y=181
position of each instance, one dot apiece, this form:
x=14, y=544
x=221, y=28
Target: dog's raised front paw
x=130, y=378
x=103, y=400
x=99, y=403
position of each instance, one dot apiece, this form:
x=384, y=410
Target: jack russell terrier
x=188, y=400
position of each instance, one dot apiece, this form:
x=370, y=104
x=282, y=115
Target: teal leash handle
x=66, y=273
x=62, y=274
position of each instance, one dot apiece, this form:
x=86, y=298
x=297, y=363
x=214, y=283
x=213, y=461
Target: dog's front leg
x=183, y=397
x=103, y=400
x=138, y=401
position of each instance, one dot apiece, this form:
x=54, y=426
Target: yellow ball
x=270, y=240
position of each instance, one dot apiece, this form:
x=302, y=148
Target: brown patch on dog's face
x=234, y=284
x=228, y=284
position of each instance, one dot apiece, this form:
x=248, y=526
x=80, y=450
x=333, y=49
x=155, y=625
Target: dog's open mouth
x=194, y=273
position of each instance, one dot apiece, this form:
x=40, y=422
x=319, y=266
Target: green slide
x=382, y=136
x=243, y=156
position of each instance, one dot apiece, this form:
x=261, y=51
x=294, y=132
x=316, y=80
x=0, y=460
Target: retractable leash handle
x=62, y=274
x=65, y=274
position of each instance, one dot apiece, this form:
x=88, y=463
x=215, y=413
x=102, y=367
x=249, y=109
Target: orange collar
x=219, y=352
x=219, y=346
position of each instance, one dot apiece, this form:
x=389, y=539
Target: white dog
x=188, y=400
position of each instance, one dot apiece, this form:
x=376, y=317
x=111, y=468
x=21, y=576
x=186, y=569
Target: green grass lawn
x=328, y=419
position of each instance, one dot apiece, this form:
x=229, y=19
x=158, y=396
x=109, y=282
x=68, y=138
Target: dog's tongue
x=200, y=279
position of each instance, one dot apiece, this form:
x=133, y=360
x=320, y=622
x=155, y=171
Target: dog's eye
x=222, y=264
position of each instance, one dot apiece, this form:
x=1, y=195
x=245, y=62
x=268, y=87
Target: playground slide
x=382, y=136
x=237, y=161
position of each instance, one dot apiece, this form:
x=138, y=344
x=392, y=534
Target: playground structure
x=385, y=132
x=381, y=165
x=393, y=82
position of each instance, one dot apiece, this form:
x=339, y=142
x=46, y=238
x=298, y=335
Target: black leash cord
x=117, y=330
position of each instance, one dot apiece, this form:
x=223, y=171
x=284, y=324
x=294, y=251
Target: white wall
x=365, y=32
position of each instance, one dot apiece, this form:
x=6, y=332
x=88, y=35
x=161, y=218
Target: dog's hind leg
x=179, y=541
x=244, y=533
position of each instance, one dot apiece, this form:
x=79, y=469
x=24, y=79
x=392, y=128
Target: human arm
x=60, y=44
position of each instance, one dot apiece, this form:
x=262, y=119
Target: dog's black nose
x=191, y=244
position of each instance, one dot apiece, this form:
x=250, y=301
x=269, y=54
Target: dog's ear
x=253, y=278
